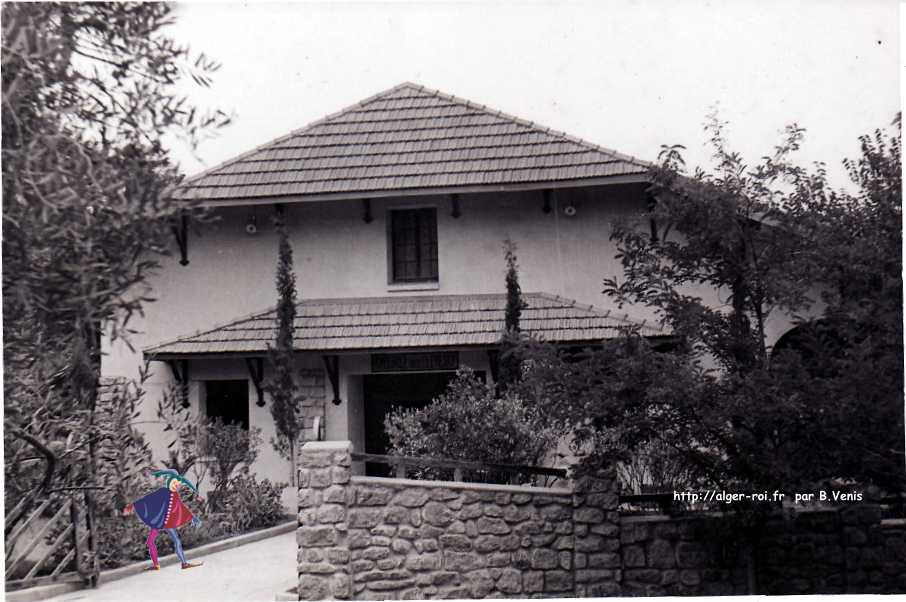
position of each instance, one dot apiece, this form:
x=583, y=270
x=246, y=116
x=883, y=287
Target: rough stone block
x=486, y=543
x=316, y=536
x=424, y=562
x=588, y=515
x=437, y=514
x=331, y=513
x=414, y=497
x=492, y=510
x=339, y=475
x=335, y=494
x=460, y=561
x=606, y=560
x=510, y=581
x=566, y=560
x=492, y=525
x=606, y=529
x=372, y=495
x=660, y=555
x=388, y=564
x=313, y=587
x=316, y=568
x=341, y=586
x=320, y=478
x=544, y=559
x=690, y=555
x=533, y=582
x=456, y=543
x=558, y=581
x=361, y=566
x=521, y=498
x=309, y=497
x=364, y=517
x=633, y=557
x=594, y=575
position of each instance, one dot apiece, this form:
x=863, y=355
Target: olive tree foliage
x=730, y=250
x=89, y=93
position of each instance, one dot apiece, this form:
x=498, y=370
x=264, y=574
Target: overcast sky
x=628, y=75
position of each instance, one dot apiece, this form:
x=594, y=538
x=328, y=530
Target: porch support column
x=332, y=365
x=256, y=371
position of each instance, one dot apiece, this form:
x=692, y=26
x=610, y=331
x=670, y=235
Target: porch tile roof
x=408, y=137
x=406, y=322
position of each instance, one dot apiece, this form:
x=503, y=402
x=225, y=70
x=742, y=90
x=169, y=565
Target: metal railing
x=446, y=469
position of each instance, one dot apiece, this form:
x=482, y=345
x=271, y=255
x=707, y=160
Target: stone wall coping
x=893, y=523
x=360, y=480
x=313, y=446
x=664, y=518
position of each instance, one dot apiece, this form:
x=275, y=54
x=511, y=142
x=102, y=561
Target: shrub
x=249, y=504
x=229, y=447
x=469, y=422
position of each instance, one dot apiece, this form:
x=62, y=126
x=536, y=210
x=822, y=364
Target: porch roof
x=376, y=323
x=408, y=138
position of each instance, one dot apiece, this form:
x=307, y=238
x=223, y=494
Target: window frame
x=417, y=283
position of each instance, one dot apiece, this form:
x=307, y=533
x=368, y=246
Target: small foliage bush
x=470, y=422
x=252, y=504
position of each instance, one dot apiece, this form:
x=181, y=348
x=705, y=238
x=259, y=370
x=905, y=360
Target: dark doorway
x=383, y=392
x=228, y=400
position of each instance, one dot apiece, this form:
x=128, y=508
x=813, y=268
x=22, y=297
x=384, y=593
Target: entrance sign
x=414, y=362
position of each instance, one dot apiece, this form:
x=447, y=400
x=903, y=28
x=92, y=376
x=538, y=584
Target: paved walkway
x=255, y=571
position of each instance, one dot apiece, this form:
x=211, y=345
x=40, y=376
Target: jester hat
x=171, y=475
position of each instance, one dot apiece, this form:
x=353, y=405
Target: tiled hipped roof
x=408, y=322
x=408, y=137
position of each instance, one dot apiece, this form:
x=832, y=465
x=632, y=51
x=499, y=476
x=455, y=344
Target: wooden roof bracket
x=366, y=211
x=181, y=232
x=454, y=206
x=180, y=369
x=332, y=365
x=546, y=195
x=256, y=371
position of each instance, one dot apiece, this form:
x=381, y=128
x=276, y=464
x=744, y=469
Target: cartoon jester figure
x=163, y=509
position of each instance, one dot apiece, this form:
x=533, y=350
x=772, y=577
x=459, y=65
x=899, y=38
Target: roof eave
x=640, y=178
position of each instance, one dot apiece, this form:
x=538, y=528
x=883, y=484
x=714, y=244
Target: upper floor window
x=413, y=245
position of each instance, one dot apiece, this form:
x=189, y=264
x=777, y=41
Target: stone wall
x=836, y=551
x=663, y=556
x=312, y=387
x=373, y=538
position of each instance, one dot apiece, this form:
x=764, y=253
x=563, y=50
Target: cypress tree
x=285, y=402
x=510, y=363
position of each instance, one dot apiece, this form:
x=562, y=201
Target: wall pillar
x=324, y=491
x=596, y=520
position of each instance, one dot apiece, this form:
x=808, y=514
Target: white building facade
x=397, y=209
